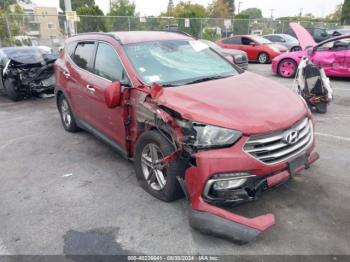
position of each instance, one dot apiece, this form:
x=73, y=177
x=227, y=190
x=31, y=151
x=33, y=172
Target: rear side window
x=107, y=63
x=232, y=41
x=83, y=53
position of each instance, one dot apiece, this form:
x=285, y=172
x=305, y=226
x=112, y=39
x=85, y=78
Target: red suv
x=192, y=122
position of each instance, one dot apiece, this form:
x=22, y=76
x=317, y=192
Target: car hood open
x=247, y=102
x=304, y=37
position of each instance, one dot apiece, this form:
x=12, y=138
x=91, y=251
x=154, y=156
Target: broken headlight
x=207, y=136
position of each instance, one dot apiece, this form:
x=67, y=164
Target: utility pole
x=239, y=7
x=272, y=10
x=301, y=12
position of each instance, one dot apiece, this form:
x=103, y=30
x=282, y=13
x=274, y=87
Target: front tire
x=287, y=68
x=66, y=114
x=263, y=58
x=154, y=176
x=12, y=90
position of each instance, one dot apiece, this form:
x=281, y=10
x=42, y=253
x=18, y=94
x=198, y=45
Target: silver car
x=290, y=42
x=240, y=58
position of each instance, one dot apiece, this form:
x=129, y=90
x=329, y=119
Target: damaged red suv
x=192, y=122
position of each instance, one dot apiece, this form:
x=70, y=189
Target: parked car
x=239, y=57
x=192, y=122
x=258, y=48
x=339, y=32
x=288, y=41
x=26, y=71
x=317, y=33
x=333, y=55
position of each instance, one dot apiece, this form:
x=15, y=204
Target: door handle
x=90, y=89
x=66, y=74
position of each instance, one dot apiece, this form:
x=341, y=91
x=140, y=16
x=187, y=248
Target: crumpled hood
x=247, y=102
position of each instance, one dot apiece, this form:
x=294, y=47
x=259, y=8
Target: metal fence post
x=8, y=26
x=200, y=33
x=129, y=26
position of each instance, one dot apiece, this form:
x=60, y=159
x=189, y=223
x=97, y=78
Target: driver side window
x=246, y=41
x=107, y=63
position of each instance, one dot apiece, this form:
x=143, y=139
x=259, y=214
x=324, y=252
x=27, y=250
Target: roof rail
x=100, y=33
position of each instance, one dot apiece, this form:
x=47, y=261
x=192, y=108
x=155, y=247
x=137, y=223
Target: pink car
x=333, y=55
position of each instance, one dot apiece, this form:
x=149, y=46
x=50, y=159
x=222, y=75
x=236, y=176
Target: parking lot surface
x=63, y=193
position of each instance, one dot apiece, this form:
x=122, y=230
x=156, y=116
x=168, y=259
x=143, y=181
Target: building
x=47, y=19
x=41, y=23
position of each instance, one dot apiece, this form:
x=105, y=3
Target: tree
x=120, y=8
x=219, y=9
x=252, y=13
x=336, y=15
x=91, y=19
x=345, y=13
x=231, y=6
x=188, y=10
x=123, y=8
x=77, y=4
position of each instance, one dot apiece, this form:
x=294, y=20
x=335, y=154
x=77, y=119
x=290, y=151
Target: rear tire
x=263, y=58
x=159, y=181
x=66, y=114
x=12, y=89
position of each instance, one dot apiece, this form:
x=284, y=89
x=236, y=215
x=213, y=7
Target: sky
x=319, y=8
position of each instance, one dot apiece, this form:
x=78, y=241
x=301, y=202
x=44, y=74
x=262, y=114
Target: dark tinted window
x=107, y=63
x=246, y=41
x=83, y=53
x=232, y=41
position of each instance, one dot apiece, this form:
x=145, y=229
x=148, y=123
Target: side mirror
x=252, y=44
x=230, y=59
x=113, y=94
x=283, y=40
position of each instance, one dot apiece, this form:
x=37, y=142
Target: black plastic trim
x=89, y=128
x=211, y=224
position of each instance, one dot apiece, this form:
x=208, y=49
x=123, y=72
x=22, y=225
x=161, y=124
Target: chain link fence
x=52, y=30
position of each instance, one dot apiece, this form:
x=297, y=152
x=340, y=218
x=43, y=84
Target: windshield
x=177, y=62
x=260, y=40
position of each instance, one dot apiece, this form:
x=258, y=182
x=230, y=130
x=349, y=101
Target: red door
x=107, y=69
x=250, y=47
x=77, y=75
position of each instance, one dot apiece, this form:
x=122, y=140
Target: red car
x=192, y=122
x=258, y=48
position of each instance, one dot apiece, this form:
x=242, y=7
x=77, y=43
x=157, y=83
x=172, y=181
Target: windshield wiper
x=204, y=79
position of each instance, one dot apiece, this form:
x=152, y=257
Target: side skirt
x=89, y=128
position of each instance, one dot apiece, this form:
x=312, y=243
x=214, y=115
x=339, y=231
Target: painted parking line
x=333, y=136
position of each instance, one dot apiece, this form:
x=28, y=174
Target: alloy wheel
x=65, y=112
x=153, y=168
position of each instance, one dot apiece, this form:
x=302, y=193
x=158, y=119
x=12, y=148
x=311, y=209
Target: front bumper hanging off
x=213, y=220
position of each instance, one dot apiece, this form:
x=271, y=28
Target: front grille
x=273, y=148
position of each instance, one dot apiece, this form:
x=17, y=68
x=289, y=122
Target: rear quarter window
x=83, y=54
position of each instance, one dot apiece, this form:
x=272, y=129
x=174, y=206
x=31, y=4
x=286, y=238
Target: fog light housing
x=228, y=184
x=228, y=181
